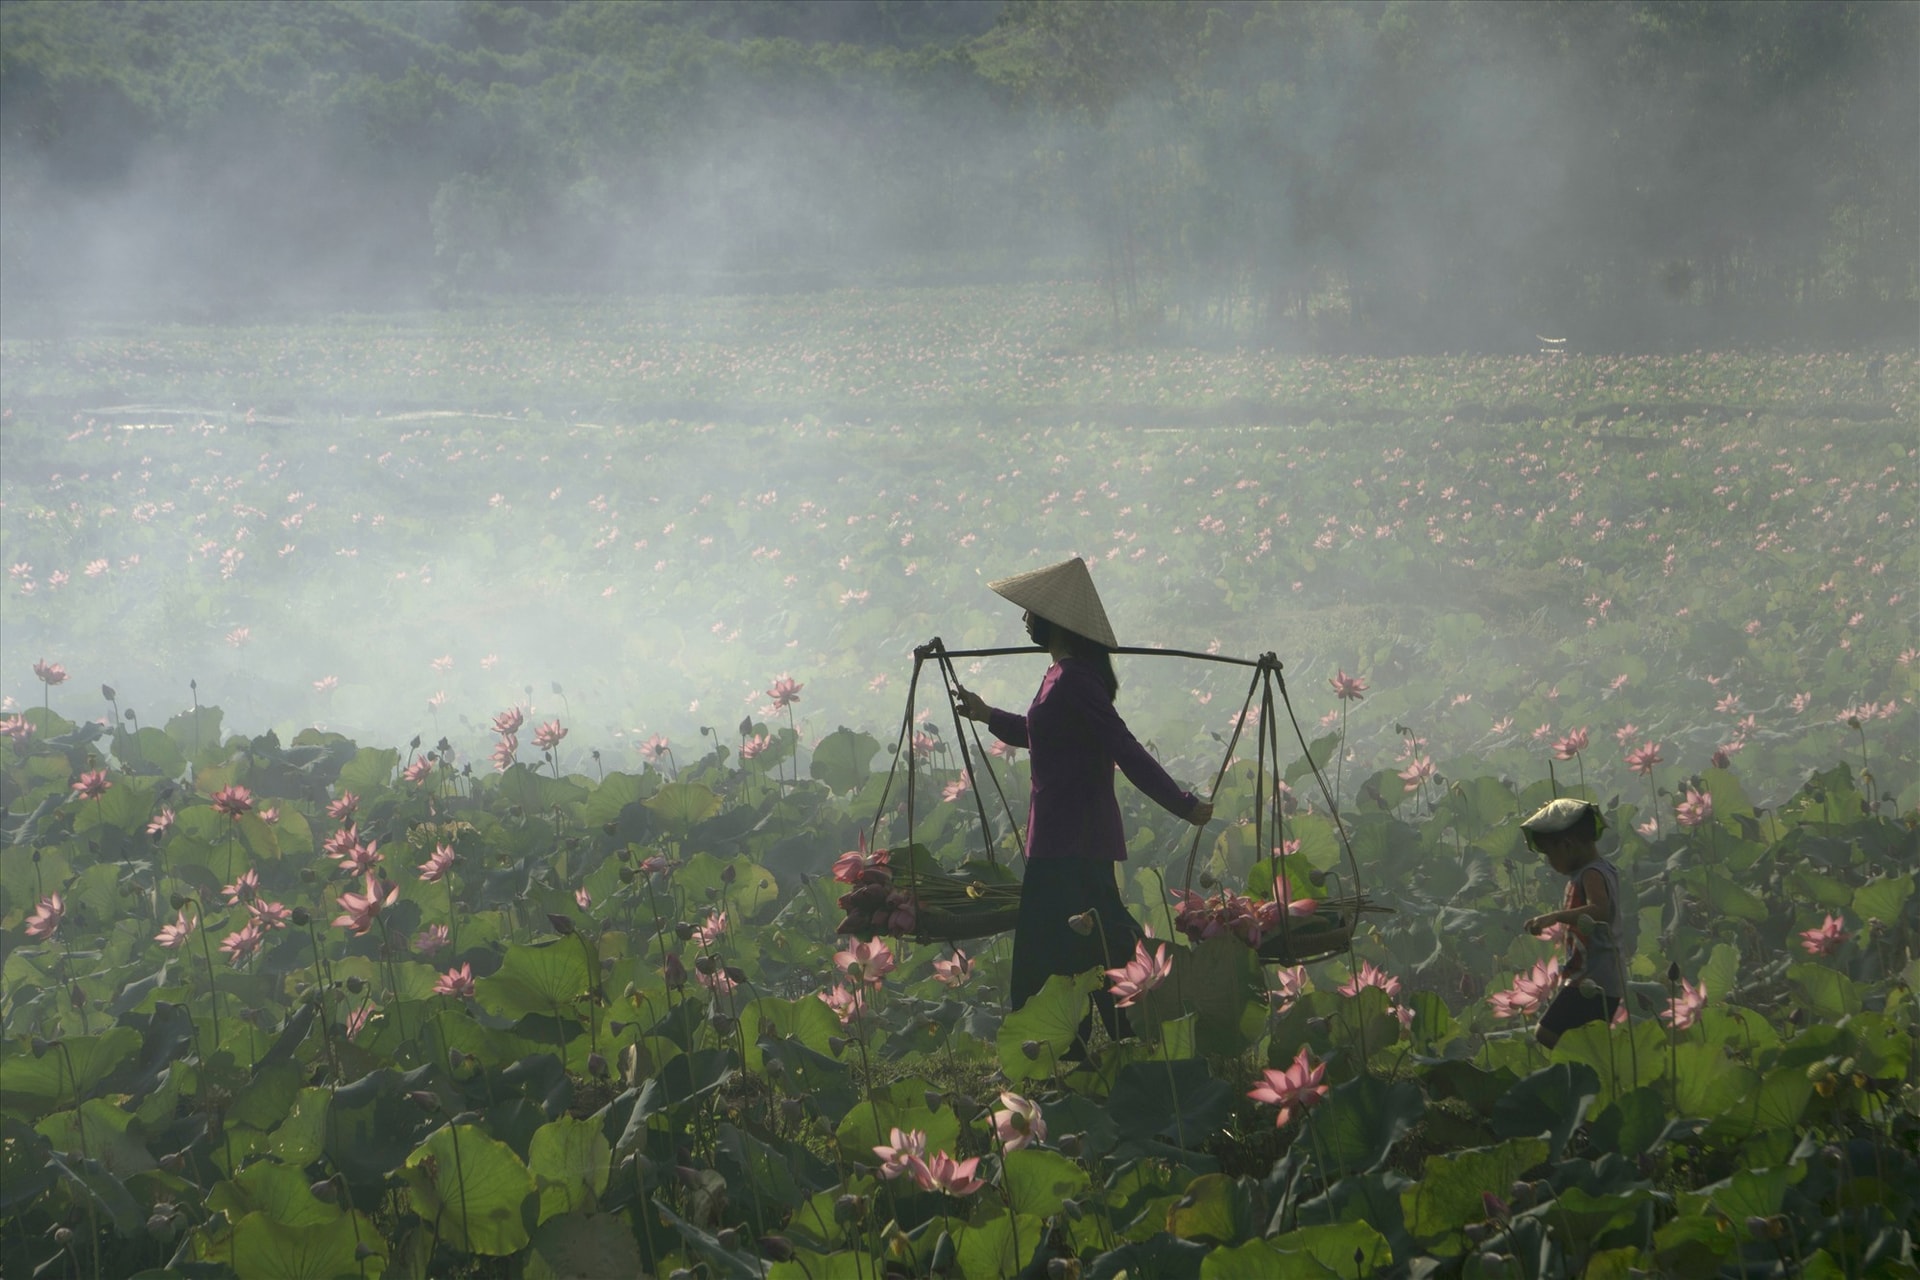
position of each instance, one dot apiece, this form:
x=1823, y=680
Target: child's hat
x=1558, y=815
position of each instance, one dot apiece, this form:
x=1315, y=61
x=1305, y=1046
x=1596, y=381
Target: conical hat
x=1063, y=594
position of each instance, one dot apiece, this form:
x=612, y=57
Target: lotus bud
x=1081, y=924
x=76, y=998
x=1673, y=971
x=39, y=1047
x=675, y=970
x=728, y=874
x=1520, y=1195
x=728, y=1238
x=1494, y=1205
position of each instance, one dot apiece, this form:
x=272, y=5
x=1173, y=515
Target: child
x=1567, y=833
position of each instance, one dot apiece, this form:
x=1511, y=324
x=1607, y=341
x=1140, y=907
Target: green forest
x=1369, y=176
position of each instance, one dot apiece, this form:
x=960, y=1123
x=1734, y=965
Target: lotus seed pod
x=1493, y=1264
x=1757, y=1227
x=849, y=1208
x=728, y=1238
x=791, y=1110
x=1073, y=1209
x=1032, y=1049
x=425, y=1099
x=324, y=1191
x=723, y=1023
x=179, y=901
x=1070, y=1146
x=776, y=1248
x=683, y=930
x=1477, y=1232
x=302, y=917
x=838, y=1044
x=1081, y=924
x=63, y=1235
x=356, y=984
x=1316, y=877
x=597, y=1066
x=934, y=1099
x=1063, y=1269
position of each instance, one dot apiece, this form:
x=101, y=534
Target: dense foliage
x=1408, y=175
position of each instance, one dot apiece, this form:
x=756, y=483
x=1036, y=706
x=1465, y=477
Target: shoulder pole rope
x=951, y=681
x=903, y=744
x=1260, y=671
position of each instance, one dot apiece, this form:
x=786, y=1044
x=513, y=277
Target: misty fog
x=406, y=362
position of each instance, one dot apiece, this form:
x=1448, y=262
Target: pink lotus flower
x=1370, y=976
x=1141, y=974
x=1019, y=1123
x=957, y=788
x=508, y=722
x=16, y=729
x=1417, y=772
x=50, y=673
x=437, y=866
x=1826, y=939
x=866, y=961
x=955, y=972
x=46, y=917
x=343, y=809
x=431, y=940
x=785, y=692
x=945, y=1174
x=1529, y=992
x=902, y=1151
x=1694, y=808
x=1347, y=688
x=359, y=859
x=161, y=821
x=653, y=748
x=583, y=899
x=1643, y=759
x=270, y=915
x=457, y=982
x=753, y=745
x=710, y=930
x=245, y=889
x=847, y=1003
x=358, y=1019
x=1299, y=1085
x=173, y=935
x=1571, y=745
x=418, y=772
x=359, y=911
x=92, y=785
x=1288, y=985
x=717, y=980
x=1683, y=1010
x=548, y=735
x=234, y=801
x=504, y=752
x=243, y=943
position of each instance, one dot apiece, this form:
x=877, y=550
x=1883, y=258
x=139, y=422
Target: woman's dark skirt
x=1044, y=944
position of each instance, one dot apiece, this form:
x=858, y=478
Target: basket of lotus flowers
x=1282, y=932
x=905, y=893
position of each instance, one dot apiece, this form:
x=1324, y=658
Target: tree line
x=1381, y=175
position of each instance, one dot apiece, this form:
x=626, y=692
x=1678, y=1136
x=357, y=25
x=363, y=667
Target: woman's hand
x=971, y=705
x=1202, y=813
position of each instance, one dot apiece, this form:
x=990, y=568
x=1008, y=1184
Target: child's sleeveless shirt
x=1595, y=953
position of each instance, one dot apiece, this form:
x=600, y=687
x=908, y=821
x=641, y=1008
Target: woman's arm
x=1004, y=725
x=1089, y=700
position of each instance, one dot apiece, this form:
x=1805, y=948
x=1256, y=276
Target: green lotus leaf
x=1168, y=1101
x=843, y=759
x=1551, y=1101
x=1358, y=1122
x=1632, y=1123
x=1333, y=1247
x=1050, y=1018
x=584, y=1246
x=682, y=806
x=536, y=978
x=1039, y=1181
x=282, y=1193
x=571, y=1161
x=114, y=1138
x=260, y=1247
x=1707, y=1084
x=36, y=1085
x=1215, y=1209
x=1450, y=1191
x=807, y=1019
x=900, y=1105
x=474, y=1188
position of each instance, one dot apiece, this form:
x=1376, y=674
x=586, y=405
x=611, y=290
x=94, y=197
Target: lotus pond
x=527, y=695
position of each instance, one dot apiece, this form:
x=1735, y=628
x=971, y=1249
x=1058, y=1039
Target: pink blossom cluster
x=1248, y=919
x=507, y=726
x=905, y=1154
x=873, y=905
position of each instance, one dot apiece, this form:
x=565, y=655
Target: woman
x=1074, y=834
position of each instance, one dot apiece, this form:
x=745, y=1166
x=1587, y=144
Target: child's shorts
x=1572, y=1008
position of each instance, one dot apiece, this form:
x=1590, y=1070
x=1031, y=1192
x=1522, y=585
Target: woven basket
x=1326, y=931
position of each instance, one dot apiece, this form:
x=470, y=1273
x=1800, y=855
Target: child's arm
x=1599, y=906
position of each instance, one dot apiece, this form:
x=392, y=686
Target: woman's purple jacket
x=1076, y=738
